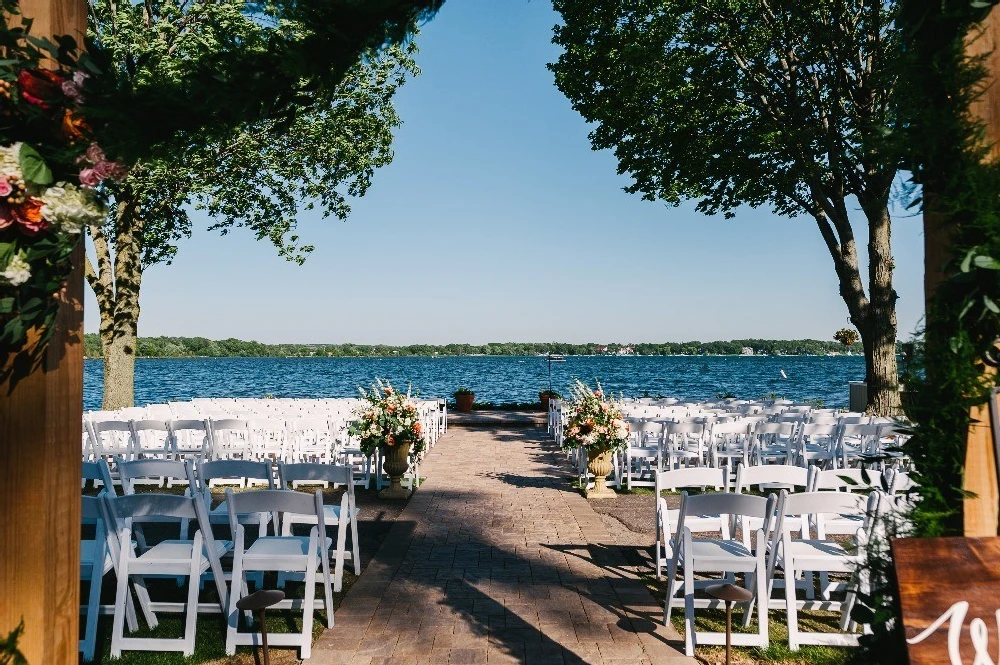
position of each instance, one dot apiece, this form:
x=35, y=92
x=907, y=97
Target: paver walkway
x=497, y=560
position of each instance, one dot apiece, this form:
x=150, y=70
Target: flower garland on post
x=597, y=426
x=51, y=169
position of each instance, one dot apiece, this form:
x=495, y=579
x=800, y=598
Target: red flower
x=29, y=216
x=40, y=87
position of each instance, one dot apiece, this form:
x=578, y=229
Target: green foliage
x=463, y=391
x=733, y=103
x=185, y=347
x=262, y=171
x=9, y=653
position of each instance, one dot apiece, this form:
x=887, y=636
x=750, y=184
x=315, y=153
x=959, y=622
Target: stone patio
x=497, y=560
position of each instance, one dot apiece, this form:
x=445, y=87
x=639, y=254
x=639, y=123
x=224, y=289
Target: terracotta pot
x=544, y=399
x=599, y=464
x=395, y=461
x=463, y=403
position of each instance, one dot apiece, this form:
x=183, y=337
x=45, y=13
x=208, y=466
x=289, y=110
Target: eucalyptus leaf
x=987, y=262
x=990, y=305
x=967, y=261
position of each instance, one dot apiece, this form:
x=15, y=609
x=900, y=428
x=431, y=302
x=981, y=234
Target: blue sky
x=497, y=222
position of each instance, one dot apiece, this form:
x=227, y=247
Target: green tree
x=257, y=170
x=754, y=103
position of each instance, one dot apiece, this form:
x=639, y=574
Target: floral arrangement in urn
x=595, y=425
x=387, y=418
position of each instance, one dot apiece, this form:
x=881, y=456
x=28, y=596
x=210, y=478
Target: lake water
x=494, y=379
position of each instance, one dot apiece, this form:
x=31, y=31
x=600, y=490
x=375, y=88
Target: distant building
x=747, y=351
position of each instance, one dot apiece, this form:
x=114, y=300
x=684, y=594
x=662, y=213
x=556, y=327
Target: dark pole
x=258, y=602
x=729, y=593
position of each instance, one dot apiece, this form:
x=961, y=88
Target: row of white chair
x=119, y=543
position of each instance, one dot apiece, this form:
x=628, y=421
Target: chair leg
x=689, y=632
x=191, y=611
x=671, y=584
x=762, y=604
x=305, y=651
x=118, y=622
x=233, y=617
x=791, y=606
x=144, y=603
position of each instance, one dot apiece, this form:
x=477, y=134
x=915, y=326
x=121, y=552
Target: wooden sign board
x=949, y=592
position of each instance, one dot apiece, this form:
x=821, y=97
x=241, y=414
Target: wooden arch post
x=40, y=444
x=981, y=512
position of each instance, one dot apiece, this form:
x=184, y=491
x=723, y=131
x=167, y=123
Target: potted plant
x=596, y=425
x=464, y=399
x=388, y=421
x=545, y=395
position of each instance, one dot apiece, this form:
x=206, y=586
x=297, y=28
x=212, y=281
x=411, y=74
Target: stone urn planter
x=395, y=461
x=544, y=397
x=599, y=464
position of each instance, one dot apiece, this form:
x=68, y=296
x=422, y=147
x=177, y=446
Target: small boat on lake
x=556, y=358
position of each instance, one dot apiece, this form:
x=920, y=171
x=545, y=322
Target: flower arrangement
x=386, y=418
x=595, y=423
x=50, y=169
x=462, y=391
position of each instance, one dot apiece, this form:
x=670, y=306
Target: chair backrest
x=230, y=437
x=234, y=468
x=274, y=501
x=151, y=505
x=736, y=506
x=151, y=437
x=778, y=474
x=190, y=436
x=307, y=471
x=113, y=437
x=153, y=468
x=699, y=476
x=98, y=470
x=819, y=504
x=851, y=480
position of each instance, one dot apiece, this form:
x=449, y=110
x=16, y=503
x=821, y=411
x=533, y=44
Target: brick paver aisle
x=497, y=560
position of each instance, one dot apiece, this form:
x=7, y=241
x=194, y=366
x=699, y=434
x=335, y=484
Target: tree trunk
x=880, y=343
x=116, y=284
x=119, y=367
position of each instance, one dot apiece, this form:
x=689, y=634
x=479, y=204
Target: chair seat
x=818, y=552
x=220, y=515
x=843, y=524
x=712, y=554
x=331, y=515
x=278, y=547
x=173, y=556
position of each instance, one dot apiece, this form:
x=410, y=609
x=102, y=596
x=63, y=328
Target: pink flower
x=73, y=88
x=88, y=178
x=103, y=170
x=95, y=154
x=5, y=188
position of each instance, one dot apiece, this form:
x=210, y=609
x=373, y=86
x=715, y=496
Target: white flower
x=68, y=207
x=18, y=271
x=10, y=160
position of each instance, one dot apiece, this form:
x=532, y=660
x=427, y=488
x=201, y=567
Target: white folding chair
x=190, y=439
x=151, y=439
x=666, y=518
x=728, y=443
x=773, y=443
x=230, y=438
x=95, y=563
x=168, y=558
x=155, y=471
x=343, y=516
x=295, y=554
x=826, y=556
x=683, y=443
x=640, y=459
x=725, y=555
x=243, y=473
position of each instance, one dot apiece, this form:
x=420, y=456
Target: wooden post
x=981, y=513
x=40, y=445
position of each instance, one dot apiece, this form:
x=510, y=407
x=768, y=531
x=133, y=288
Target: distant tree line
x=188, y=347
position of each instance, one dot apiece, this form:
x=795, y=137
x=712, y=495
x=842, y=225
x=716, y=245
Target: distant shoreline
x=200, y=347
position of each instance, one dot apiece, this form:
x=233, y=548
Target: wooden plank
x=925, y=594
x=981, y=512
x=40, y=435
